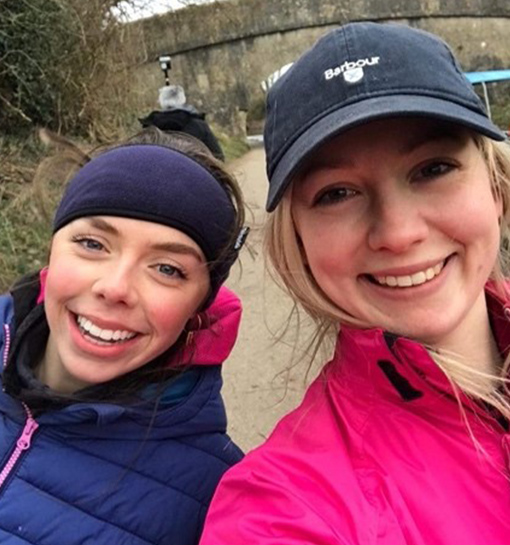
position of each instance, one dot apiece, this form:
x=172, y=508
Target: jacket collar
x=378, y=363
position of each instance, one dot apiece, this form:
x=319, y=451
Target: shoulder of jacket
x=277, y=479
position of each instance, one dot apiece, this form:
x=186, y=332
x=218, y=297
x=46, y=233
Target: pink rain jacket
x=377, y=453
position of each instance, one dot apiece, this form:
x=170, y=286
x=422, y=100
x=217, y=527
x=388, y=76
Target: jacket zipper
x=7, y=346
x=22, y=445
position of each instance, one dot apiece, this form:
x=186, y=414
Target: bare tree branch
x=16, y=110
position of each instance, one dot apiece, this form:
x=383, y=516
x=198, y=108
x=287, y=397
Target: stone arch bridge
x=222, y=51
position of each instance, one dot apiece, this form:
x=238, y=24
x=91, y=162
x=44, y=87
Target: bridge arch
x=223, y=50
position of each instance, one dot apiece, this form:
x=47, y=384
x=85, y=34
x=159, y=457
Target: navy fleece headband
x=161, y=185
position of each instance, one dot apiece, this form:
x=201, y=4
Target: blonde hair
x=289, y=269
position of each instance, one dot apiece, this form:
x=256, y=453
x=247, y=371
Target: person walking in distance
x=177, y=115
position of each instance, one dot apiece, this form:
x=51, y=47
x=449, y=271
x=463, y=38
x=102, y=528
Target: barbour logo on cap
x=352, y=70
x=354, y=75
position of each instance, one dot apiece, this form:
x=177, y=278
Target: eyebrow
x=178, y=248
x=102, y=225
x=170, y=247
x=440, y=133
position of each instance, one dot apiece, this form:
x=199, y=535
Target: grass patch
x=25, y=210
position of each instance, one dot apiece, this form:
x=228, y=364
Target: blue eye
x=170, y=270
x=334, y=195
x=89, y=243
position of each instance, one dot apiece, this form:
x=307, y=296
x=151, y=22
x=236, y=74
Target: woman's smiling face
x=399, y=226
x=119, y=292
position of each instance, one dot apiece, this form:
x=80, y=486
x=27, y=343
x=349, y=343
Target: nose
x=116, y=284
x=397, y=223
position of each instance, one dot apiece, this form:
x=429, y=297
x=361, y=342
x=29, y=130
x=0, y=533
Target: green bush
x=23, y=245
x=65, y=65
x=24, y=225
x=38, y=43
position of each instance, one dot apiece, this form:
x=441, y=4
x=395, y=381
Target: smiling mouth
x=100, y=335
x=408, y=281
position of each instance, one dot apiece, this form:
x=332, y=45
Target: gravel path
x=259, y=386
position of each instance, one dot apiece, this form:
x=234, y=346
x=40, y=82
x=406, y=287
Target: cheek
x=329, y=266
x=478, y=220
x=478, y=209
x=62, y=282
x=329, y=249
x=314, y=234
x=475, y=225
x=170, y=319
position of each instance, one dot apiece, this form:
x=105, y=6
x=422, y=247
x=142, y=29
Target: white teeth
x=107, y=335
x=419, y=278
x=390, y=280
x=95, y=331
x=415, y=279
x=404, y=281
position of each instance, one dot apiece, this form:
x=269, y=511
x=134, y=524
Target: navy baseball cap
x=358, y=73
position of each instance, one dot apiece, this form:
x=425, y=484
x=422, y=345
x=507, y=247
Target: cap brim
x=359, y=113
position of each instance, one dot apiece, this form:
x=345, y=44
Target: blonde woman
x=389, y=188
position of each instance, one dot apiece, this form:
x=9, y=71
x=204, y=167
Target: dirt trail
x=258, y=390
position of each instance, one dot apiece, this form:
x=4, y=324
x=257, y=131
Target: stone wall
x=222, y=51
